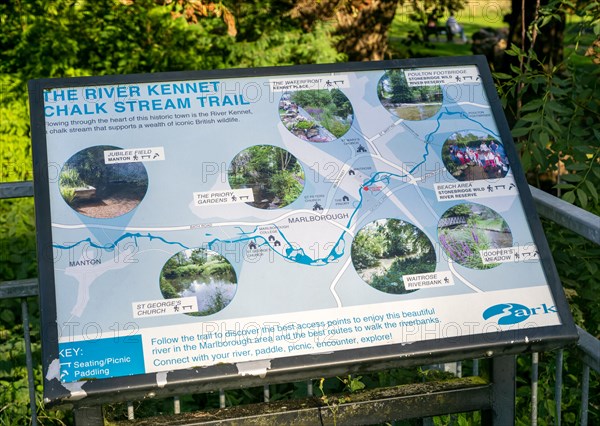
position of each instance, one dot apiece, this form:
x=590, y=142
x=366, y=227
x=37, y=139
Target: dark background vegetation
x=547, y=73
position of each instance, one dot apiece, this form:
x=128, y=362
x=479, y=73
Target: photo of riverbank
x=385, y=250
x=202, y=273
x=99, y=190
x=466, y=229
x=408, y=102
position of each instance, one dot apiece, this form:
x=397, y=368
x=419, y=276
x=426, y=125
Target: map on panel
x=242, y=219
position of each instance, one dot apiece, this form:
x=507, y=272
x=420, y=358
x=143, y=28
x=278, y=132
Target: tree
x=424, y=10
x=341, y=102
x=352, y=18
x=268, y=27
x=400, y=91
x=195, y=10
x=367, y=248
x=555, y=109
x=361, y=26
x=524, y=30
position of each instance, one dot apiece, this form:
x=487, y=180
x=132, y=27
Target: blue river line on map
x=297, y=255
x=112, y=246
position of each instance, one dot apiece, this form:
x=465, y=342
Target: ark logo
x=514, y=313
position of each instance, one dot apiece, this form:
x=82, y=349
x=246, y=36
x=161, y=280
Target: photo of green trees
x=408, y=102
x=385, y=250
x=316, y=115
x=202, y=273
x=466, y=229
x=96, y=189
x=275, y=176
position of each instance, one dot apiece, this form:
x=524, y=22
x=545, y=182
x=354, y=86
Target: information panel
x=242, y=217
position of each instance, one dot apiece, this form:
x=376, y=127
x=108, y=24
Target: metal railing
x=548, y=206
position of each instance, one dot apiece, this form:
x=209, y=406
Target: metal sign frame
x=455, y=346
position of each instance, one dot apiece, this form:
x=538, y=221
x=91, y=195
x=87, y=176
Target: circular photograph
x=99, y=190
x=410, y=102
x=466, y=229
x=275, y=176
x=473, y=155
x=202, y=273
x=316, y=115
x=385, y=250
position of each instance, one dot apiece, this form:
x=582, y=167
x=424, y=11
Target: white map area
x=288, y=259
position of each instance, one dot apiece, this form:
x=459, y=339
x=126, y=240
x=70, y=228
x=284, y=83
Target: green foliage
x=400, y=92
x=557, y=128
x=331, y=108
x=275, y=175
x=461, y=419
x=279, y=47
x=68, y=194
x=352, y=384
x=422, y=10
x=268, y=36
x=332, y=123
x=14, y=397
x=556, y=115
x=220, y=268
x=386, y=250
x=392, y=282
x=286, y=187
x=304, y=124
x=17, y=250
x=69, y=178
x=557, y=111
x=108, y=37
x=178, y=273
x=367, y=249
x=199, y=267
x=167, y=289
x=578, y=264
x=571, y=392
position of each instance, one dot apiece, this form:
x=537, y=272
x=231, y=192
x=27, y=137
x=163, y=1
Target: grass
x=491, y=224
x=475, y=16
x=418, y=113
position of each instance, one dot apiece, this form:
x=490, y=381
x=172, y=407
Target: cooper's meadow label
x=527, y=253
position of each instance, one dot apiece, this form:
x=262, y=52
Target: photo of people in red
x=474, y=155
